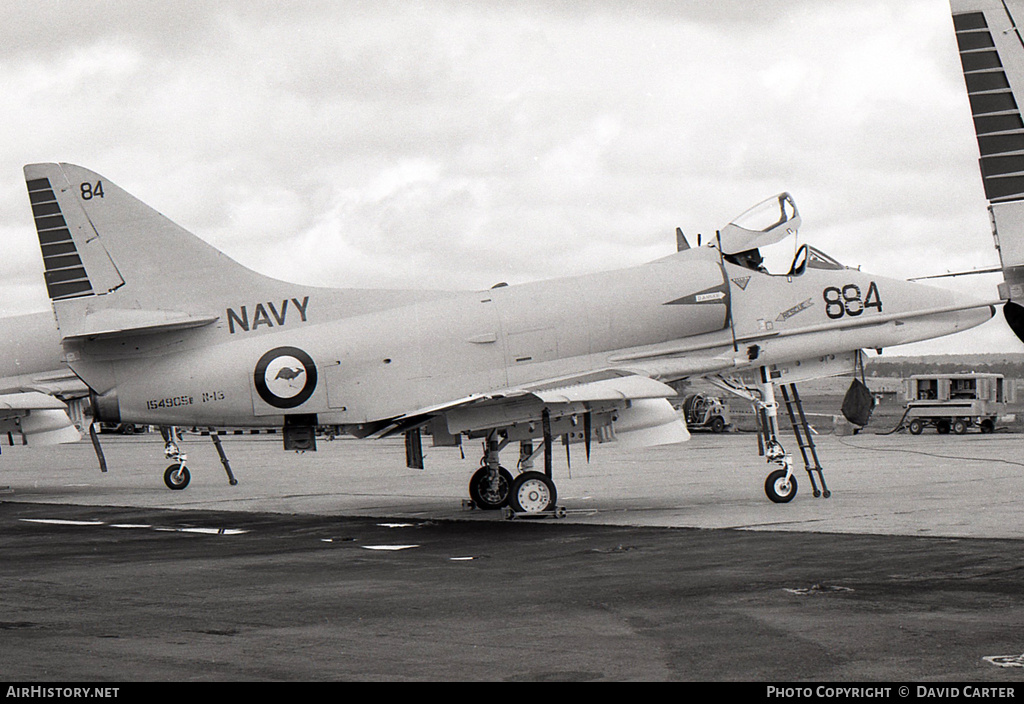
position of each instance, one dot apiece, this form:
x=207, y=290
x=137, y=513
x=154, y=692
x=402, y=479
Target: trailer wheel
x=943, y=427
x=915, y=427
x=988, y=425
x=717, y=424
x=959, y=426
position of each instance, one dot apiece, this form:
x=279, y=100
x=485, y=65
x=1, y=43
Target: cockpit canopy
x=765, y=224
x=764, y=238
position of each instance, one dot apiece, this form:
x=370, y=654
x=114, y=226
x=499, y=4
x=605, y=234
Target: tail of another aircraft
x=992, y=55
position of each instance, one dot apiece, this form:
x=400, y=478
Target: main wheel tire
x=533, y=492
x=778, y=488
x=177, y=477
x=959, y=426
x=916, y=427
x=487, y=497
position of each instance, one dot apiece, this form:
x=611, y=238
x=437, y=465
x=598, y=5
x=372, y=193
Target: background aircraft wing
x=40, y=417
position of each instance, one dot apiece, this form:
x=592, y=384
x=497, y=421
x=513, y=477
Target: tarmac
x=670, y=564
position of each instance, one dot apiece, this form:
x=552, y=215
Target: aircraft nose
x=1014, y=315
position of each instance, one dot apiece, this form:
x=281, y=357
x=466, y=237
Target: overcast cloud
x=455, y=145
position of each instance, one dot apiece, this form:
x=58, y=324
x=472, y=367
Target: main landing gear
x=530, y=493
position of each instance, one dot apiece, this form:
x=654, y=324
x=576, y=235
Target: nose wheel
x=780, y=486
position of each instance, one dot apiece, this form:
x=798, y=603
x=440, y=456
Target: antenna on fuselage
x=681, y=243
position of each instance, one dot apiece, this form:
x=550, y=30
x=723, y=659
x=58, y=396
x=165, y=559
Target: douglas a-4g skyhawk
x=166, y=330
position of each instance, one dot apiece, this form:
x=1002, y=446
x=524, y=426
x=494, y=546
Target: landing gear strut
x=177, y=476
x=491, y=485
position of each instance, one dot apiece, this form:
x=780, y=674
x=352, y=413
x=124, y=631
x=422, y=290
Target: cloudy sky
x=458, y=144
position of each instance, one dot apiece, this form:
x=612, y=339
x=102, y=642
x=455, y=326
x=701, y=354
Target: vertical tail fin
x=64, y=255
x=112, y=262
x=992, y=56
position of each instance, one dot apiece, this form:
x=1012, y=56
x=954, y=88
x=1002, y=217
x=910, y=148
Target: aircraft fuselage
x=688, y=313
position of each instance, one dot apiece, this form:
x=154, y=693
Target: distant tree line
x=1007, y=364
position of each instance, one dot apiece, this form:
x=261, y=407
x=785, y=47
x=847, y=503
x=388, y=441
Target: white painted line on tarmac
x=161, y=529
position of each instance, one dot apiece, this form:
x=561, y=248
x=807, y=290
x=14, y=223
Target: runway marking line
x=160, y=529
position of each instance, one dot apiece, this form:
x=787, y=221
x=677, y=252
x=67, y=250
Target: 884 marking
x=847, y=300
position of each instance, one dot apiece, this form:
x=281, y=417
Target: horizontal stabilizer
x=114, y=322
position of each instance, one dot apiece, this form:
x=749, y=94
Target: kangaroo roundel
x=285, y=377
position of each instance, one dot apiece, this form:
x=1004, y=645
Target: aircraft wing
x=607, y=385
x=40, y=417
x=642, y=412
x=34, y=405
x=60, y=383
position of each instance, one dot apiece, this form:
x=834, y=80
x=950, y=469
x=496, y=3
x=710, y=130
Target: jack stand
x=556, y=512
x=224, y=459
x=94, y=436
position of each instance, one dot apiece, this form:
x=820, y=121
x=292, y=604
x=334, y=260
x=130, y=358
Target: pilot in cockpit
x=751, y=259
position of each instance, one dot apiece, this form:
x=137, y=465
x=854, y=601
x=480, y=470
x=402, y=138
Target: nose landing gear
x=781, y=485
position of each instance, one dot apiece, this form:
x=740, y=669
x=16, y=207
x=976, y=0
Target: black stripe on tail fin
x=997, y=118
x=64, y=273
